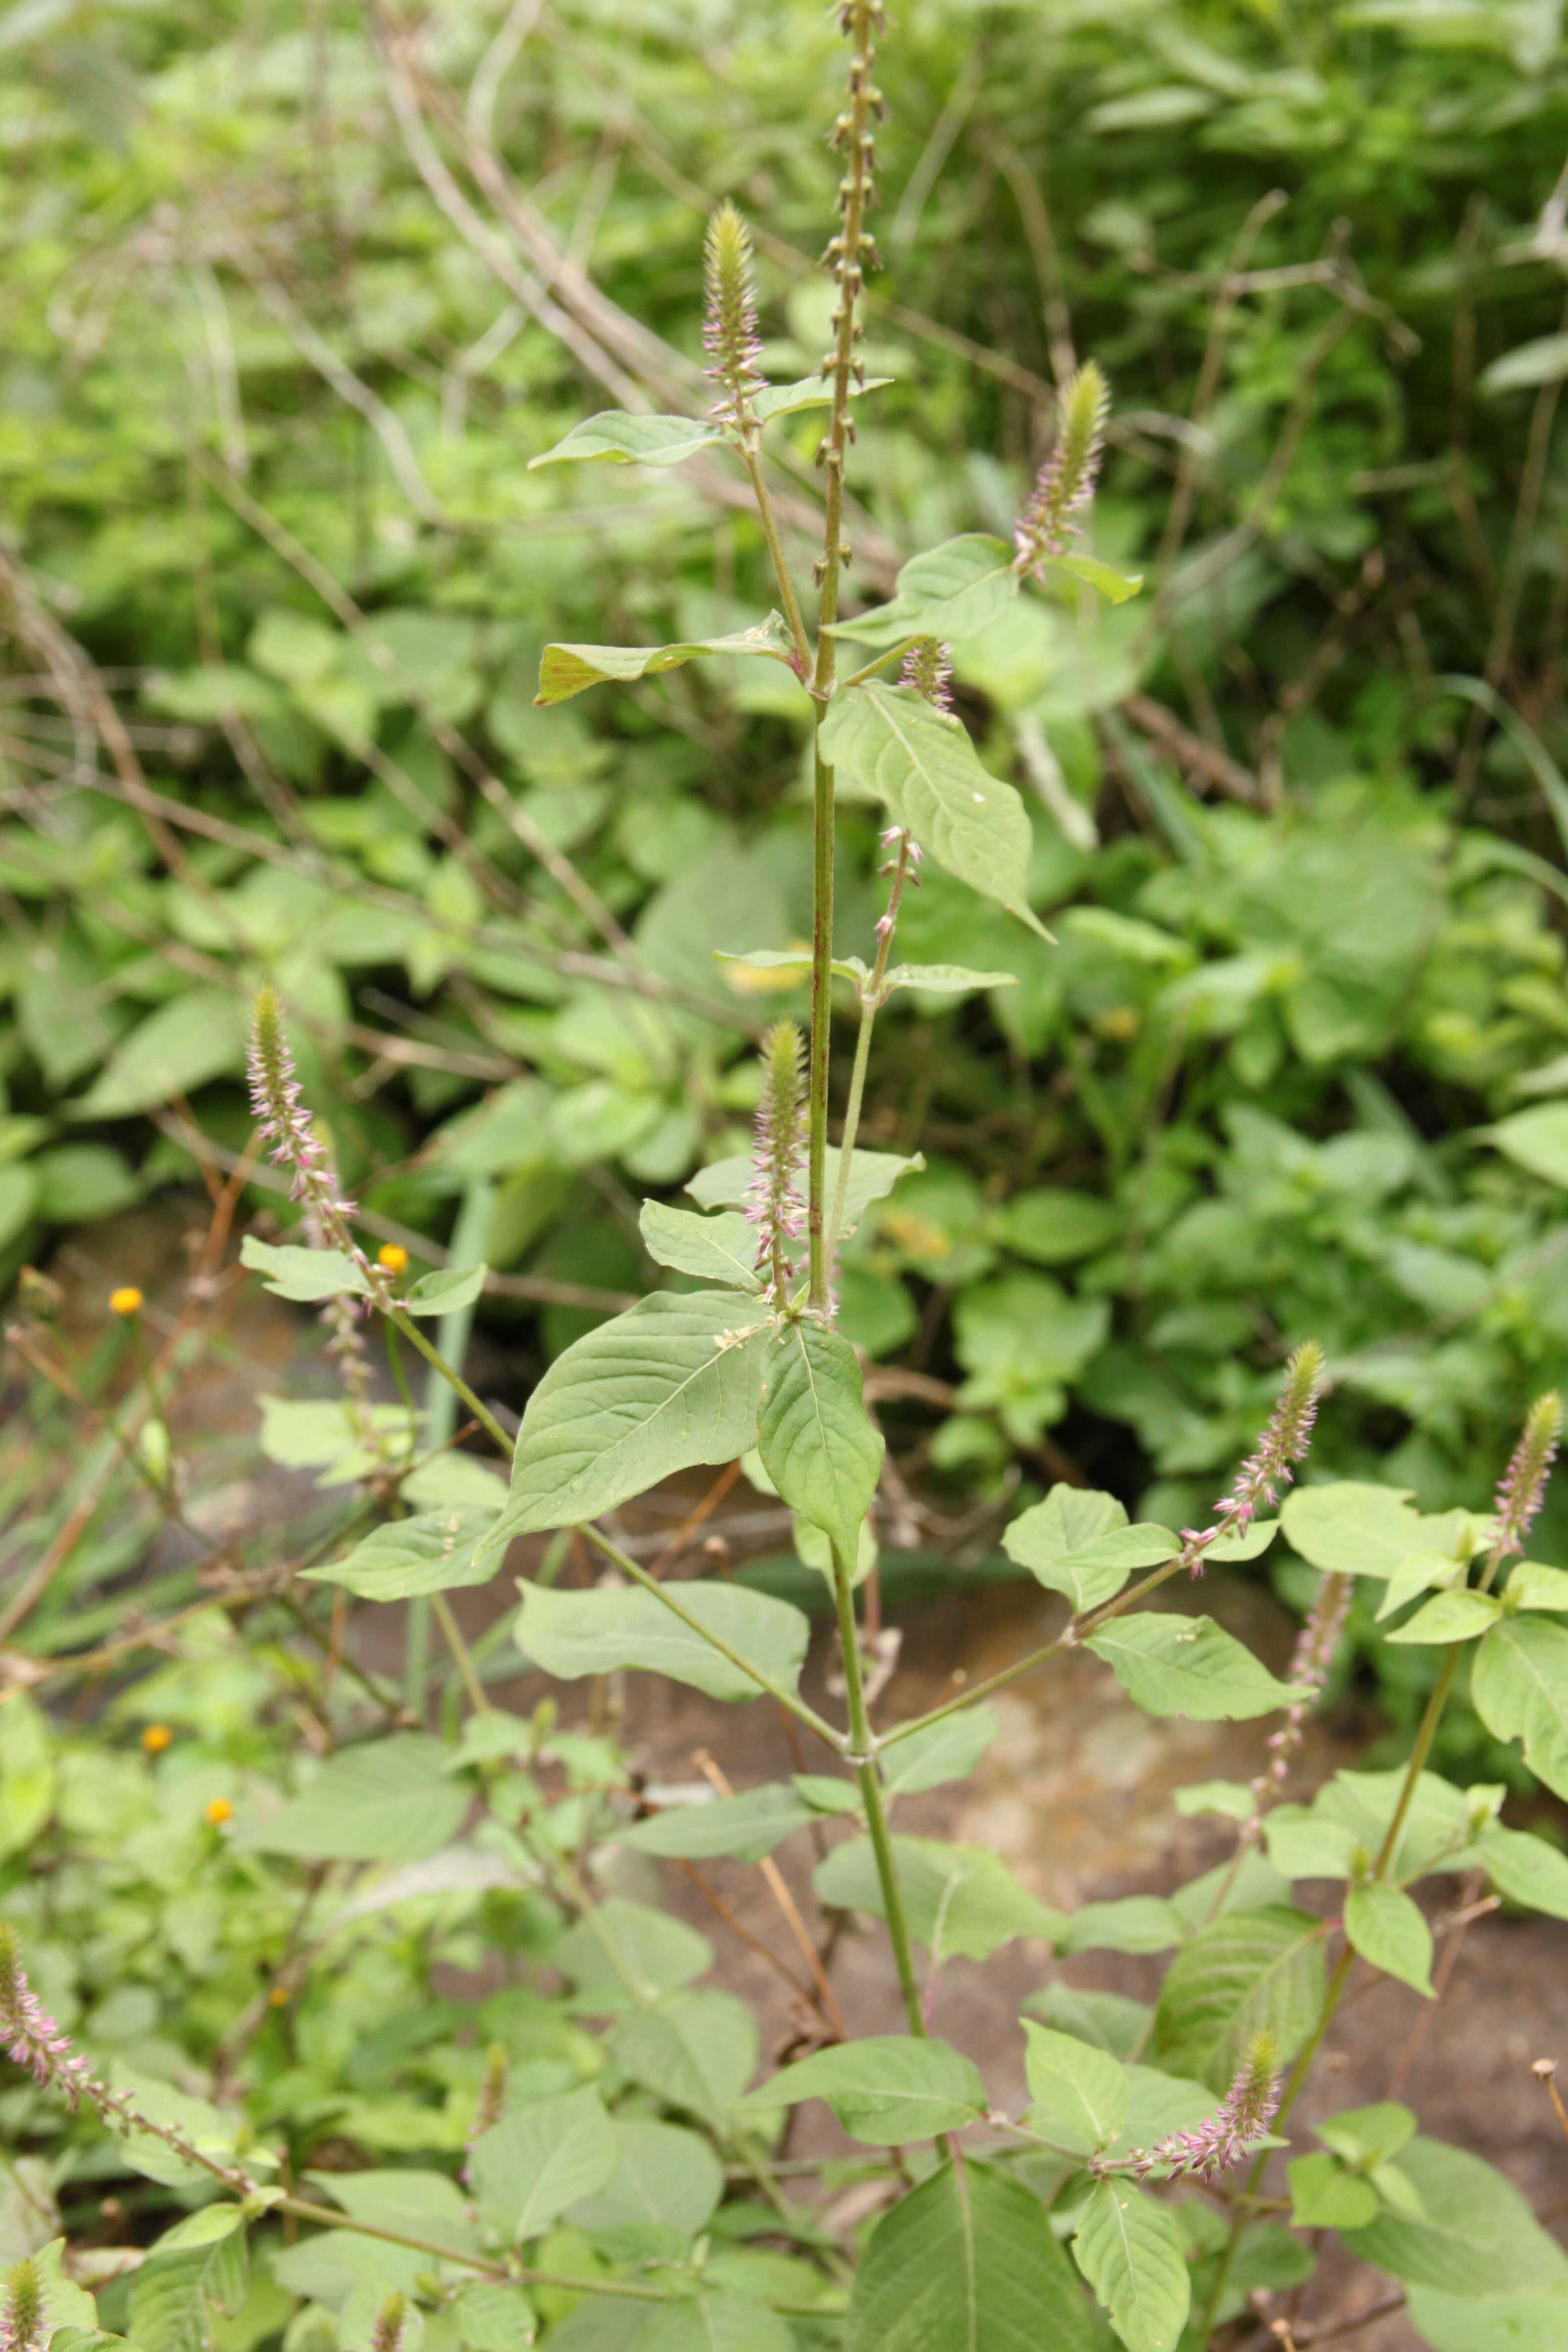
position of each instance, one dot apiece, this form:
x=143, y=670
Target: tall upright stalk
x=852, y=135
x=870, y=1786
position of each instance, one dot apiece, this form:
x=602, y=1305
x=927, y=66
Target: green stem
x=481, y=1412
x=751, y=455
x=871, y=998
x=858, y=677
x=1070, y=1638
x=870, y=1786
x=1334, y=1990
x=462, y=1658
x=797, y=1706
x=821, y=1018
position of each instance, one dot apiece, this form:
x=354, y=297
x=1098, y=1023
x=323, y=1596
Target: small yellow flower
x=279, y=1997
x=156, y=1737
x=127, y=1300
x=219, y=1810
x=393, y=1257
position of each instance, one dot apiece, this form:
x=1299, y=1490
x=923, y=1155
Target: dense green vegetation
x=296, y=305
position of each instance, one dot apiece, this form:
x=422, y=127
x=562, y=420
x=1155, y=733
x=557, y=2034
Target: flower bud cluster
x=1064, y=485
x=773, y=1203
x=730, y=334
x=282, y=1121
x=488, y=2104
x=1282, y=1446
x=1314, y=1655
x=1230, y=2135
x=1523, y=1487
x=852, y=252
x=23, y=2326
x=904, y=866
x=927, y=669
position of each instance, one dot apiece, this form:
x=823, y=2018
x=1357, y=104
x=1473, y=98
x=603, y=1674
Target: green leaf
x=388, y=1801
x=570, y=1634
x=951, y=591
x=303, y=1274
x=1247, y=1971
x=1416, y=1575
x=1368, y=2135
x=1353, y=1530
x=1078, y=2094
x=1543, y=360
x=1115, y=586
x=1108, y=2020
x=723, y=1183
x=948, y=1751
x=966, y=2262
x=535, y=2162
x=885, y=2089
x=493, y=2318
x=958, y=1899
x=810, y=392
x=1520, y=1686
x=1526, y=1870
x=670, y=1383
x=715, y=1249
x=1185, y=1666
x=655, y=1955
x=816, y=1439
x=1133, y=2254
x=1135, y=1923
x=432, y=1553
x=1387, y=1928
x=920, y=762
x=666, y=2175
x=944, y=979
x=1535, y=1140
x=631, y=440
x=446, y=1292
x=1450, y=1617
x=1533, y=1586
x=713, y=2320
x=747, y=1826
x=1535, y=2321
x=697, y=2050
x=196, y=1036
x=1473, y=2234
x=1234, y=1798
x=566, y=670
x=1079, y=1542
x=1325, y=2196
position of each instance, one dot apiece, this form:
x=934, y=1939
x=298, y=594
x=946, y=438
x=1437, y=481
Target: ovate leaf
x=1079, y=1542
x=570, y=1634
x=1186, y=1666
x=966, y=2262
x=386, y=1800
x=951, y=591
x=1474, y=2233
x=1535, y=2321
x=1325, y=2196
x=566, y=670
x=535, y=2162
x=811, y=392
x=921, y=763
x=1131, y=2252
x=303, y=1274
x=715, y=1249
x=666, y=2175
x=1247, y=1971
x=885, y=2089
x=943, y=1751
x=446, y=1291
x=697, y=2050
x=1526, y=1870
x=672, y=1382
x=1519, y=1686
x=1350, y=1529
x=1078, y=2094
x=432, y=1553
x=1387, y=1928
x=816, y=1442
x=622, y=440
x=747, y=1826
x=197, y=1036
x=1115, y=586
x=1450, y=1617
x=958, y=1899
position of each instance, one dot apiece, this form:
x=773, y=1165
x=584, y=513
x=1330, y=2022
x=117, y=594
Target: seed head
x=491, y=2101
x=386, y=2335
x=1064, y=485
x=928, y=666
x=22, y=2328
x=1229, y=2136
x=29, y=2035
x=773, y=1203
x=729, y=318
x=1523, y=1487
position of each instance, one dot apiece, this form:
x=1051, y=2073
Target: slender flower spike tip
x=489, y=2102
x=729, y=319
x=386, y=2335
x=31, y=2036
x=773, y=1203
x=282, y=1121
x=1064, y=485
x=22, y=2324
x=928, y=666
x=1282, y=1446
x=1231, y=2134
x=1523, y=1487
